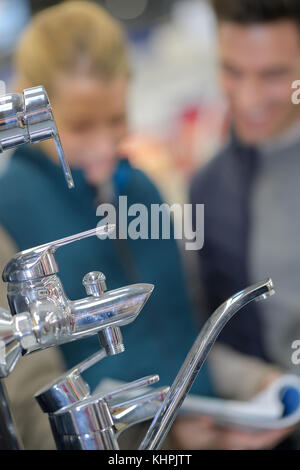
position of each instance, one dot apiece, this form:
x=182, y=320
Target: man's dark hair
x=248, y=12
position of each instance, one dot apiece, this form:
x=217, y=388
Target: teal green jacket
x=36, y=207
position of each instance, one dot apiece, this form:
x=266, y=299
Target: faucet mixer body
x=43, y=316
x=94, y=422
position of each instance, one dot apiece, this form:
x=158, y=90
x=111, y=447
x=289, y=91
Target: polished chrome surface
x=139, y=409
x=125, y=415
x=11, y=349
x=195, y=359
x=94, y=283
x=81, y=424
x=114, y=308
x=131, y=387
x=28, y=118
x=110, y=338
x=94, y=441
x=9, y=439
x=52, y=319
x=13, y=130
x=39, y=261
x=85, y=417
x=69, y=388
x=43, y=316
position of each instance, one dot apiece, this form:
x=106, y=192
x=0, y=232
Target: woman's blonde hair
x=74, y=35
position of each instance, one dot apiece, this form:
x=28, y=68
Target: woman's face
x=91, y=118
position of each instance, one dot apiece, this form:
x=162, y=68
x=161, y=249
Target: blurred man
x=251, y=190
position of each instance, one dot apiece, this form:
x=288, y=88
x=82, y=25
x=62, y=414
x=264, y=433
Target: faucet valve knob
x=110, y=338
x=94, y=283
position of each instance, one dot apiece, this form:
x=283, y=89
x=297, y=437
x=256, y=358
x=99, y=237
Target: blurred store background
x=177, y=115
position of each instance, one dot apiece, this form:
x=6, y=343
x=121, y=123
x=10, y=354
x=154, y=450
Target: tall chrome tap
x=28, y=118
x=196, y=357
x=43, y=316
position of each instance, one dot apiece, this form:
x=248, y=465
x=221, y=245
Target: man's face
x=91, y=119
x=259, y=63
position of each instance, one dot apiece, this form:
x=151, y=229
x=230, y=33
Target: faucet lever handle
x=40, y=123
x=138, y=409
x=98, y=231
x=39, y=261
x=132, y=386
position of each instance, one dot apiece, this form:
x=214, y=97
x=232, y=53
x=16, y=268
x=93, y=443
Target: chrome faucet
x=96, y=422
x=67, y=400
x=81, y=421
x=28, y=118
x=43, y=316
x=197, y=355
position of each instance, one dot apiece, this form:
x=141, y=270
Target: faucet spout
x=113, y=309
x=51, y=321
x=195, y=359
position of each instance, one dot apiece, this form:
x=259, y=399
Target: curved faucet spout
x=195, y=359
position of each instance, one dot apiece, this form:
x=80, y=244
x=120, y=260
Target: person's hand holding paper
x=260, y=423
